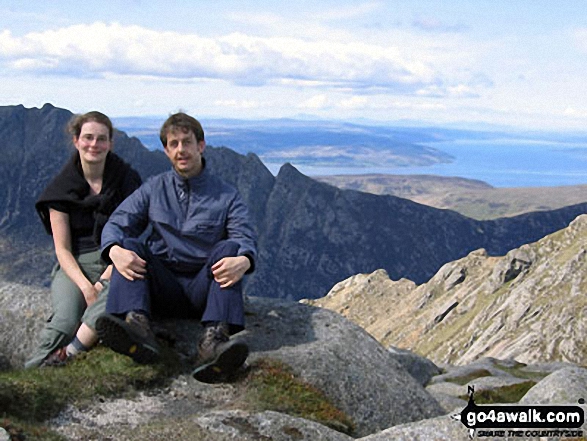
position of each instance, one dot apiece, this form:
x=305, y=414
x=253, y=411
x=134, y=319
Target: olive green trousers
x=69, y=307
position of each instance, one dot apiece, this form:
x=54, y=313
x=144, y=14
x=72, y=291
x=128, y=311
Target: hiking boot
x=56, y=358
x=218, y=356
x=132, y=336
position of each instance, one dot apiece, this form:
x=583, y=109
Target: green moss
x=272, y=386
x=506, y=394
x=29, y=397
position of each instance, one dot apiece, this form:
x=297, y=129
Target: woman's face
x=93, y=143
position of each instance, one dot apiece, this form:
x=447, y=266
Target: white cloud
x=574, y=113
x=355, y=102
x=315, y=102
x=238, y=104
x=100, y=49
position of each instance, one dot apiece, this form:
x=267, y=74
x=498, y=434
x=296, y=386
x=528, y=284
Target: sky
x=520, y=63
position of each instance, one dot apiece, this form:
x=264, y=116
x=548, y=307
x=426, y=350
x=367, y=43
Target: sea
x=500, y=163
x=500, y=158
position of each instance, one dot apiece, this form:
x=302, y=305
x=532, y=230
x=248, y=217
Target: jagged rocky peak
x=364, y=297
x=526, y=305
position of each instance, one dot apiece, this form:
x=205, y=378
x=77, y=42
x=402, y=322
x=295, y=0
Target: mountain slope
x=469, y=197
x=529, y=304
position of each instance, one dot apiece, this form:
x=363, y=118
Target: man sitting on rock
x=199, y=246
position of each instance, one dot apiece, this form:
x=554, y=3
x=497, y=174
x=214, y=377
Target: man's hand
x=128, y=263
x=230, y=270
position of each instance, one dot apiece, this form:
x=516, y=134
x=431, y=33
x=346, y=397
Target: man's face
x=185, y=152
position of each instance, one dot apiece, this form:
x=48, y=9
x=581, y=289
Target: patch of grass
x=23, y=431
x=505, y=394
x=28, y=397
x=271, y=385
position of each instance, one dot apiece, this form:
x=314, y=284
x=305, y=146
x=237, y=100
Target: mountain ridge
x=311, y=235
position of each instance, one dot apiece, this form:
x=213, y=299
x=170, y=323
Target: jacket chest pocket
x=209, y=232
x=164, y=217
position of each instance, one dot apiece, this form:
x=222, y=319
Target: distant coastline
x=325, y=148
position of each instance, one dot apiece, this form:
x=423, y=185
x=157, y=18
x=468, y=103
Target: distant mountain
x=469, y=197
x=527, y=305
x=311, y=235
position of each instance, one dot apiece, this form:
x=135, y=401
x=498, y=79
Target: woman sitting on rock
x=74, y=208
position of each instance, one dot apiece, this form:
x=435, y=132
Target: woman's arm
x=62, y=240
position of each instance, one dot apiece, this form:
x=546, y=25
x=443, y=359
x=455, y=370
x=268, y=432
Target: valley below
x=469, y=197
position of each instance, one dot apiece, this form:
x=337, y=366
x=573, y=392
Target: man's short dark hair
x=185, y=123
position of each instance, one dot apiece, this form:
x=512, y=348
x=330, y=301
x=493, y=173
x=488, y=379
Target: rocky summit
x=413, y=386
x=529, y=304
x=332, y=354
x=386, y=394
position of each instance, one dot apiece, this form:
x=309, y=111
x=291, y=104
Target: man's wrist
x=105, y=254
x=251, y=263
x=112, y=248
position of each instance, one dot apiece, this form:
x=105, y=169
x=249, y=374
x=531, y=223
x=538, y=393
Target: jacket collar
x=194, y=181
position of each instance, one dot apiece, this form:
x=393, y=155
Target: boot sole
x=228, y=362
x=116, y=335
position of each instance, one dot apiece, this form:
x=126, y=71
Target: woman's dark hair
x=74, y=127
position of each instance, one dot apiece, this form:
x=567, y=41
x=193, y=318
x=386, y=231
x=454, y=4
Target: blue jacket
x=182, y=235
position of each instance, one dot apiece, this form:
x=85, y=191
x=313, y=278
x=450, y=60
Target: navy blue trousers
x=168, y=294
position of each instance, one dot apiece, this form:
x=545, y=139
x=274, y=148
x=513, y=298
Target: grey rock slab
x=443, y=428
x=447, y=388
x=23, y=312
x=448, y=402
x=564, y=386
x=546, y=368
x=479, y=368
x=492, y=383
x=339, y=358
x=266, y=425
x=417, y=366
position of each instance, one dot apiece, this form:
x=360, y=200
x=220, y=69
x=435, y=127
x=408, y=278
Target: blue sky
x=519, y=63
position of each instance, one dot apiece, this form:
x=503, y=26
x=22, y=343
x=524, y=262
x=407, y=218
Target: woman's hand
x=91, y=293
